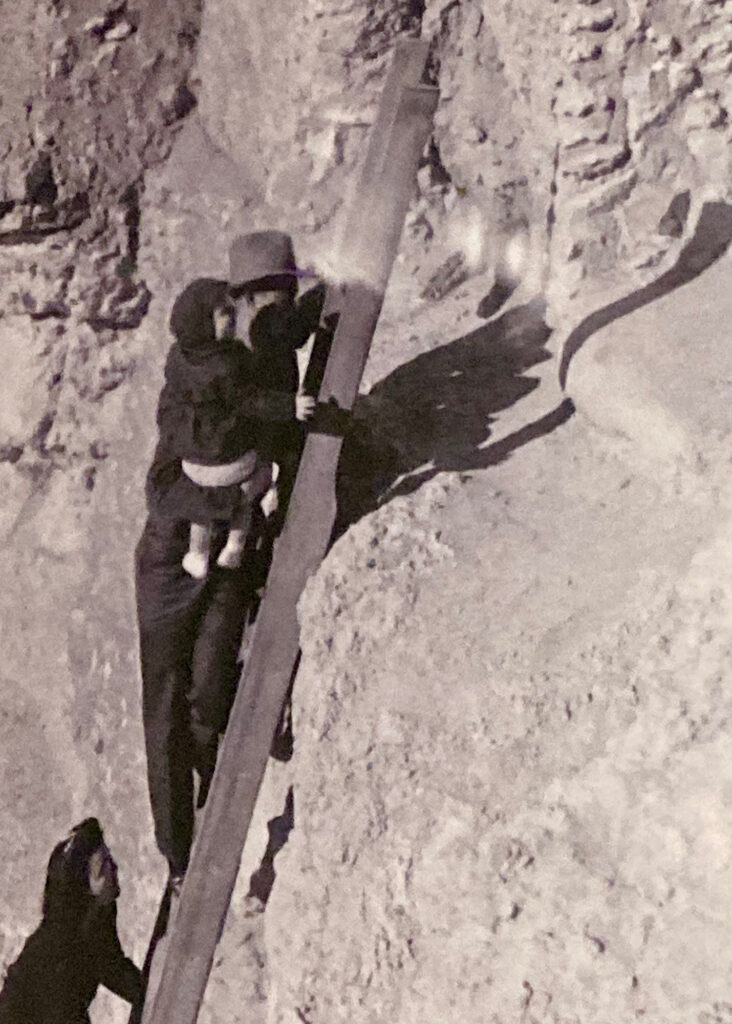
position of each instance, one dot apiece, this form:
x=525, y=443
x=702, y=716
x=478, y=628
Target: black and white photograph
x=366, y=519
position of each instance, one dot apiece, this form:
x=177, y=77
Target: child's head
x=194, y=316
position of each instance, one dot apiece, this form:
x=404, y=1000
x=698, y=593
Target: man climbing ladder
x=398, y=138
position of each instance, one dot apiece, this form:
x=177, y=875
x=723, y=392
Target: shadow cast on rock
x=434, y=414
x=278, y=828
x=710, y=241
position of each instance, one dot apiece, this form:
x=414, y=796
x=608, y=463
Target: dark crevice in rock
x=130, y=201
x=10, y=453
x=438, y=173
x=124, y=310
x=588, y=56
x=674, y=219
x=551, y=213
x=40, y=184
x=38, y=440
x=49, y=310
x=439, y=41
x=382, y=23
x=431, y=73
x=602, y=24
x=184, y=102
x=33, y=227
x=98, y=450
x=603, y=166
x=452, y=273
x=721, y=120
x=502, y=290
x=117, y=23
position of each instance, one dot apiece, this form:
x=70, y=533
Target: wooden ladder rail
x=370, y=243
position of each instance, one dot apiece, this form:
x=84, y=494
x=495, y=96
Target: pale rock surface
x=518, y=683
x=658, y=370
x=289, y=91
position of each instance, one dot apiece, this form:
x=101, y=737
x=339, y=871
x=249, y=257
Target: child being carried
x=211, y=396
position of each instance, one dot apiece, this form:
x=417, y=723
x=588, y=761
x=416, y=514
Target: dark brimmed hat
x=261, y=254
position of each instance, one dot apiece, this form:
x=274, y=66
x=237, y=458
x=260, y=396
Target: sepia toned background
x=511, y=773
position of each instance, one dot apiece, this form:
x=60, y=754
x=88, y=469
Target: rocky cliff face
x=92, y=94
x=509, y=771
x=596, y=126
x=90, y=100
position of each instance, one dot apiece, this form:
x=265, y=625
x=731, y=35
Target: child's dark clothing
x=210, y=406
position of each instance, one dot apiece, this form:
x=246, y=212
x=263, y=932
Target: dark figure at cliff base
x=75, y=947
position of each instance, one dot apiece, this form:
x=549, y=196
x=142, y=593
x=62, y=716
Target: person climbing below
x=75, y=948
x=190, y=629
x=209, y=385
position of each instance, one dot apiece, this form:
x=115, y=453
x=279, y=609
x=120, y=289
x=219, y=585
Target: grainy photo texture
x=366, y=615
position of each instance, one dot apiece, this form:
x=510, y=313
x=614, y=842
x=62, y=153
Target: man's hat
x=261, y=254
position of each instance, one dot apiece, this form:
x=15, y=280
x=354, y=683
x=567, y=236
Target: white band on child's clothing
x=222, y=476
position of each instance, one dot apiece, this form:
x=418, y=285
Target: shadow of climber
x=435, y=412
x=279, y=828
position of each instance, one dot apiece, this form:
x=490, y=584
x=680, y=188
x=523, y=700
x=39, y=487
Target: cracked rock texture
x=511, y=787
x=90, y=99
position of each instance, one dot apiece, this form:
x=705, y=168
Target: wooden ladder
x=367, y=249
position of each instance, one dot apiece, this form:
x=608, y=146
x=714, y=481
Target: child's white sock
x=230, y=557
x=195, y=561
x=196, y=565
x=270, y=502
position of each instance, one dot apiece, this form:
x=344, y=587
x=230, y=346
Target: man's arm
x=262, y=404
x=309, y=310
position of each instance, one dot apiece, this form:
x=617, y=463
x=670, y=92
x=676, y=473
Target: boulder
x=655, y=366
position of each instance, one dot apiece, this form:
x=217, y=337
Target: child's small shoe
x=195, y=564
x=230, y=557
